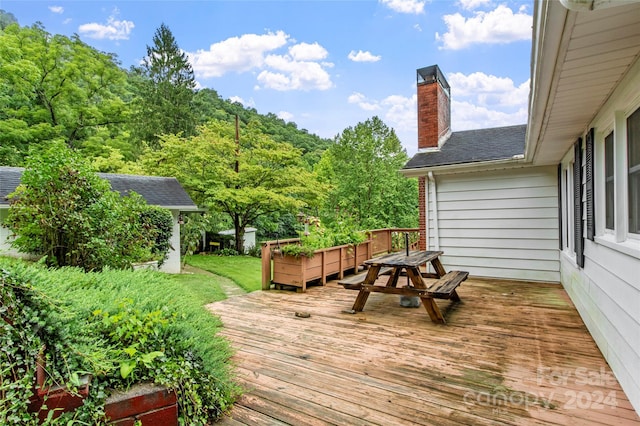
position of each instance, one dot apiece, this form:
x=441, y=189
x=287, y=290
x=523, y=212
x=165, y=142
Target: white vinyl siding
x=606, y=291
x=6, y=237
x=4, y=233
x=607, y=295
x=501, y=224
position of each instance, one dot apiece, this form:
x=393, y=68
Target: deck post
x=266, y=266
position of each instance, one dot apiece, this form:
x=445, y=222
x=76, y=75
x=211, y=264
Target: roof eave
x=185, y=208
x=549, y=20
x=464, y=167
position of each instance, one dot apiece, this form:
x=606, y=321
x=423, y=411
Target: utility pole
x=236, y=216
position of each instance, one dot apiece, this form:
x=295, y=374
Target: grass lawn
x=246, y=271
x=204, y=288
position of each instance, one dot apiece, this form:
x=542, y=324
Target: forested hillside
x=151, y=119
x=54, y=87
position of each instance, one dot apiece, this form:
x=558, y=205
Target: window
x=566, y=188
x=633, y=170
x=609, y=188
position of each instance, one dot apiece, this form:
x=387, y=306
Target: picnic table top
x=414, y=259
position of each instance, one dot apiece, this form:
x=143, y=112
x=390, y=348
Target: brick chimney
x=434, y=107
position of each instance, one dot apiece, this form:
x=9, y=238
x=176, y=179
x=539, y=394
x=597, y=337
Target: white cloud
x=405, y=6
x=247, y=104
x=113, y=30
x=500, y=25
x=56, y=9
x=362, y=102
x=287, y=74
x=308, y=52
x=488, y=90
x=361, y=56
x=481, y=101
x=469, y=116
x=355, y=98
x=477, y=101
x=299, y=69
x=67, y=21
x=237, y=54
x=401, y=112
x=473, y=4
x=285, y=115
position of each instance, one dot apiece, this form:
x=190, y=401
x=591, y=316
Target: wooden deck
x=510, y=353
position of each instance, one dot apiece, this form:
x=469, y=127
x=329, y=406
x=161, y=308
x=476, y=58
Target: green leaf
x=126, y=367
x=147, y=359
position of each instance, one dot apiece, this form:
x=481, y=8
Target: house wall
x=500, y=224
x=5, y=236
x=606, y=292
x=172, y=263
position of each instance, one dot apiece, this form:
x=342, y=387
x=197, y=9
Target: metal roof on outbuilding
x=474, y=146
x=156, y=190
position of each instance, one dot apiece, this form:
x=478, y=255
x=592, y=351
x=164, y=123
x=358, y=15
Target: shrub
x=66, y=212
x=320, y=237
x=121, y=327
x=157, y=228
x=25, y=326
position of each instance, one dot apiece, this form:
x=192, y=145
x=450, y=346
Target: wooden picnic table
x=399, y=264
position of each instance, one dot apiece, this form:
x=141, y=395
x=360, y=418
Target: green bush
x=25, y=327
x=66, y=212
x=320, y=237
x=122, y=327
x=157, y=228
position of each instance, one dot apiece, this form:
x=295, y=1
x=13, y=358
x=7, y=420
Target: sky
x=325, y=65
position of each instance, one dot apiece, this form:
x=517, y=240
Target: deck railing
x=382, y=241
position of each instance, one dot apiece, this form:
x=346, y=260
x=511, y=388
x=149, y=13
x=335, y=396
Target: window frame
x=630, y=234
x=619, y=238
x=567, y=208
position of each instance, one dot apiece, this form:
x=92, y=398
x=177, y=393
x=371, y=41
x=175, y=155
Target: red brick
x=139, y=399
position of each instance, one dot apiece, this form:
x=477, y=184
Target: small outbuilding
x=156, y=190
x=249, y=237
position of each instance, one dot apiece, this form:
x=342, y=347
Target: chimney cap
x=432, y=74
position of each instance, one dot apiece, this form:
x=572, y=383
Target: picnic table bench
x=401, y=264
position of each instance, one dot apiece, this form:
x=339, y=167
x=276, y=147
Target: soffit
x=595, y=50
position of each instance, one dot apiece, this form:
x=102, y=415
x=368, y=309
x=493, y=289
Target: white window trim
x=568, y=241
x=620, y=176
x=619, y=239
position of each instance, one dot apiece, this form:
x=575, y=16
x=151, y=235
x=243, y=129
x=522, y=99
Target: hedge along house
x=559, y=201
x=160, y=191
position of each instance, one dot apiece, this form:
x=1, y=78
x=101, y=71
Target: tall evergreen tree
x=166, y=84
x=6, y=19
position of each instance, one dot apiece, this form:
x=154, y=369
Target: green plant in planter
x=320, y=237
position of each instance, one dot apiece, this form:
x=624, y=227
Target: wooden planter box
x=146, y=403
x=298, y=271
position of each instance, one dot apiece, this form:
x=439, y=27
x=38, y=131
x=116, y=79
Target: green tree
x=367, y=189
x=245, y=179
x=165, y=86
x=6, y=19
x=57, y=88
x=63, y=210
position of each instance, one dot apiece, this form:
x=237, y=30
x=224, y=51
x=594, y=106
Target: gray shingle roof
x=9, y=180
x=161, y=191
x=473, y=146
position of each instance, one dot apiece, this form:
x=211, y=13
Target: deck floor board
x=511, y=353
